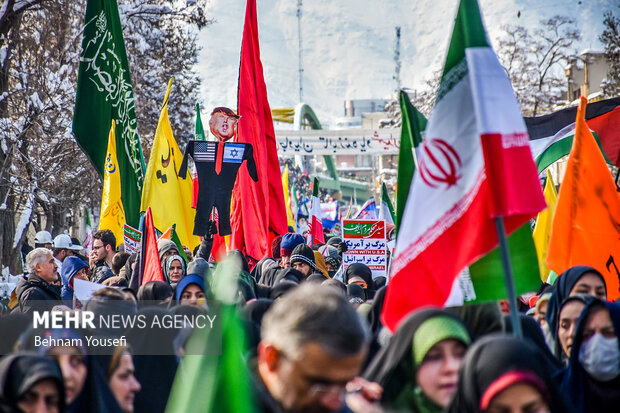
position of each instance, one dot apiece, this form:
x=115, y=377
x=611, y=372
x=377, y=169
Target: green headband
x=434, y=330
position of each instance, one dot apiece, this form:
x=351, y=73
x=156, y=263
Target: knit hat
x=303, y=253
x=164, y=245
x=290, y=240
x=334, y=241
x=275, y=247
x=331, y=255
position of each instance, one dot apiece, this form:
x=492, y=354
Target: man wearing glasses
x=312, y=345
x=104, y=248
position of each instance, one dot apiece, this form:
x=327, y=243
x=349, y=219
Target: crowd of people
x=315, y=339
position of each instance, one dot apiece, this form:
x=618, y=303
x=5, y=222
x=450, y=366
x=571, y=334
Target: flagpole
x=510, y=284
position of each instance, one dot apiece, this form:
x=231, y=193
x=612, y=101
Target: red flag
x=218, y=249
x=258, y=212
x=150, y=267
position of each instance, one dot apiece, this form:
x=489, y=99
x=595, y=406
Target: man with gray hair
x=37, y=292
x=312, y=344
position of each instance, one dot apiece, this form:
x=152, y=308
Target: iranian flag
x=475, y=164
x=386, y=213
x=316, y=223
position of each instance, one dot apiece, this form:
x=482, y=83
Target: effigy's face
x=223, y=126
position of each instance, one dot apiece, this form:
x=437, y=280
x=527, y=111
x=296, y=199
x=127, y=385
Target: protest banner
x=366, y=244
x=131, y=238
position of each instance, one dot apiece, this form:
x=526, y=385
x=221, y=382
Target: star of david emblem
x=234, y=153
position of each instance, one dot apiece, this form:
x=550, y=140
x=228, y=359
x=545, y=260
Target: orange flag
x=166, y=235
x=586, y=223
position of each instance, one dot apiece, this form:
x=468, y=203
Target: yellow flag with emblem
x=168, y=195
x=542, y=229
x=112, y=211
x=287, y=201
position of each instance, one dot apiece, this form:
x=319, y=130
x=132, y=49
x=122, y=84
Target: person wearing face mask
x=419, y=367
x=580, y=279
x=592, y=378
x=503, y=374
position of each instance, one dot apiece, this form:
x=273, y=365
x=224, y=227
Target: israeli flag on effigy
x=233, y=152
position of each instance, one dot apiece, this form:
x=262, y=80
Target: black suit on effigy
x=213, y=189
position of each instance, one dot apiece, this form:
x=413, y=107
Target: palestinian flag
x=551, y=136
x=475, y=164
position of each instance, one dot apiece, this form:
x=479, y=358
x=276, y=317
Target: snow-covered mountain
x=348, y=45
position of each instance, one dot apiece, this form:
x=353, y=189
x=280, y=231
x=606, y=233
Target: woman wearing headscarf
x=360, y=274
x=119, y=372
x=30, y=383
x=580, y=279
x=568, y=316
x=154, y=293
x=592, y=379
x=532, y=332
x=174, y=269
x=154, y=359
x=191, y=291
x=418, y=368
x=498, y=366
x=379, y=335
x=85, y=387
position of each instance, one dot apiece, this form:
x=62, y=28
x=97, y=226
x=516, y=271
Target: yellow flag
x=168, y=195
x=112, y=211
x=287, y=201
x=542, y=229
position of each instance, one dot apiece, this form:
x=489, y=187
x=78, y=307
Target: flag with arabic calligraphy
x=475, y=142
x=104, y=92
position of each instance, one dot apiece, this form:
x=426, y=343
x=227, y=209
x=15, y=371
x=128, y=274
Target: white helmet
x=43, y=237
x=64, y=241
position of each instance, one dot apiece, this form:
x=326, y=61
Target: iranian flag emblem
x=475, y=164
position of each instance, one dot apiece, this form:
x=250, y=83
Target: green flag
x=386, y=212
x=199, y=133
x=487, y=274
x=104, y=93
x=412, y=125
x=207, y=382
x=174, y=237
